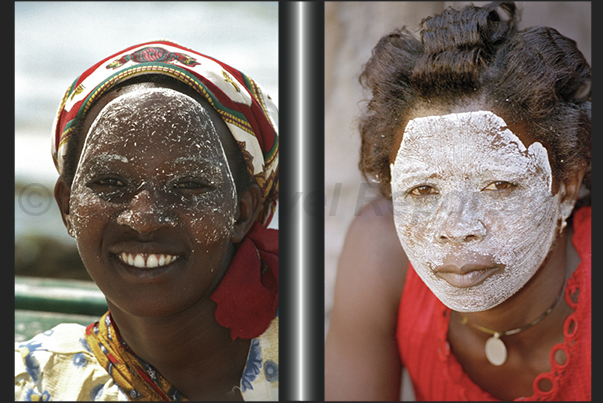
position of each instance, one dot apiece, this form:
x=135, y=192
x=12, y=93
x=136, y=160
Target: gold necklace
x=496, y=351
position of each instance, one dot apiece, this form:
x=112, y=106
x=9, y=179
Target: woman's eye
x=111, y=182
x=500, y=185
x=108, y=187
x=108, y=183
x=192, y=185
x=187, y=185
x=423, y=190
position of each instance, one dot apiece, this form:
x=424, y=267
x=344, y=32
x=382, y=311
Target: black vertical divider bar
x=314, y=201
x=289, y=335
x=301, y=220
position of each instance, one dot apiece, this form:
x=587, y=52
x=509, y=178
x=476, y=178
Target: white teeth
x=139, y=261
x=146, y=260
x=152, y=261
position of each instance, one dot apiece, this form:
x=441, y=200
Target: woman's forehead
x=483, y=119
x=135, y=95
x=143, y=102
x=153, y=119
x=477, y=111
x=479, y=128
x=478, y=141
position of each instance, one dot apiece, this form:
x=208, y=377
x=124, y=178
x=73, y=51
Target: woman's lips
x=467, y=279
x=468, y=275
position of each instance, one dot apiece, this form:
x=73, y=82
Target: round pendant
x=496, y=352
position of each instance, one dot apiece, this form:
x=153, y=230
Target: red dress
x=437, y=375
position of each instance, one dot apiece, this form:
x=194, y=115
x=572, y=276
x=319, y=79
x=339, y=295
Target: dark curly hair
x=536, y=78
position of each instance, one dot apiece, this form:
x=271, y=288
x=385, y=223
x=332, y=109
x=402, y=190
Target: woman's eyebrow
x=195, y=160
x=108, y=158
x=188, y=159
x=487, y=170
x=197, y=164
x=409, y=172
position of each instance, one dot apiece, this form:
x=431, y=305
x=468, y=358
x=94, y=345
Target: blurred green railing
x=42, y=303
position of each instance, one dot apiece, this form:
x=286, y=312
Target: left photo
x=146, y=201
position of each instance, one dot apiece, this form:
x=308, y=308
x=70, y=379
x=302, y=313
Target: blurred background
x=57, y=41
x=351, y=31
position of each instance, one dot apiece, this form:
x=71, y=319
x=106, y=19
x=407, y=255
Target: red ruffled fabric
x=247, y=296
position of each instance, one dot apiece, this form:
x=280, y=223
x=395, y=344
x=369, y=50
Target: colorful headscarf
x=248, y=112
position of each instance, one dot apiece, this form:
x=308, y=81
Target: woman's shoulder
x=260, y=376
x=63, y=338
x=361, y=355
x=372, y=263
x=373, y=234
x=58, y=364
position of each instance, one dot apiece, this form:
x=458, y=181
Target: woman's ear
x=248, y=208
x=571, y=190
x=62, y=194
x=572, y=186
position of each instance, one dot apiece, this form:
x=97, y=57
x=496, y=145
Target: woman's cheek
x=88, y=213
x=212, y=218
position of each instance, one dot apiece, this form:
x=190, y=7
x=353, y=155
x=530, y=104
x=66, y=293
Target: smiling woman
x=169, y=175
x=163, y=206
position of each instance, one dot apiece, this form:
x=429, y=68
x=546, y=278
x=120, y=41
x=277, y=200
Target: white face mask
x=473, y=207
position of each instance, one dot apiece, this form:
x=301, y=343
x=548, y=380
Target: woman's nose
x=459, y=222
x=461, y=232
x=145, y=213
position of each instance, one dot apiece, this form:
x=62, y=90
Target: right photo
x=457, y=211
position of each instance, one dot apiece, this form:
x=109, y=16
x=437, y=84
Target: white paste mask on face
x=205, y=152
x=473, y=207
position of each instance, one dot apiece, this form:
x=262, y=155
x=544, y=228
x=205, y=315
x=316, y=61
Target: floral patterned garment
x=59, y=365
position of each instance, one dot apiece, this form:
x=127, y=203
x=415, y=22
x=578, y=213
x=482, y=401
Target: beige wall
x=351, y=30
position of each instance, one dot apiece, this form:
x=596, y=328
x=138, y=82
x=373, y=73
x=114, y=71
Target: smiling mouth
x=146, y=260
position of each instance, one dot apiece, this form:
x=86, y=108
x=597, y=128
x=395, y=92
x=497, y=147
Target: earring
x=566, y=211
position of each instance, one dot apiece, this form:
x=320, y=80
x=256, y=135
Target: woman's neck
x=190, y=349
x=535, y=298
x=529, y=351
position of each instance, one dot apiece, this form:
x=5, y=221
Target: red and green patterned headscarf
x=248, y=112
